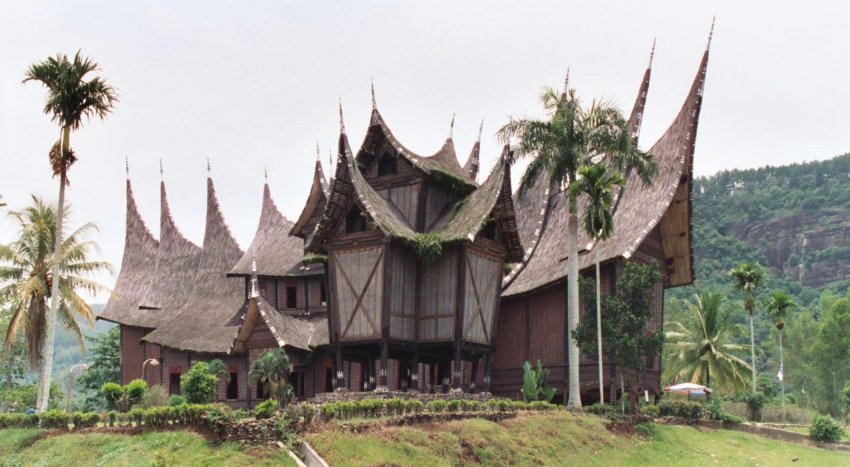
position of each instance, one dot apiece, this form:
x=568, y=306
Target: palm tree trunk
x=753, y=350
x=50, y=331
x=599, y=324
x=782, y=380
x=572, y=306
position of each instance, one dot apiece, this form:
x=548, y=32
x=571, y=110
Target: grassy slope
x=558, y=439
x=21, y=447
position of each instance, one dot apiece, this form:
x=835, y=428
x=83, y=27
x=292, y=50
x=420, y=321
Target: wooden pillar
x=248, y=386
x=339, y=372
x=488, y=371
x=385, y=364
x=474, y=374
x=414, y=371
x=457, y=374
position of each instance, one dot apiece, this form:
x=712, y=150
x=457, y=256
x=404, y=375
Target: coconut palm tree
x=26, y=278
x=571, y=137
x=748, y=277
x=219, y=370
x=272, y=371
x=70, y=98
x=599, y=186
x=707, y=349
x=778, y=306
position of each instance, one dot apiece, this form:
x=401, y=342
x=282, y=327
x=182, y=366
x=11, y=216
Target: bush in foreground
x=690, y=411
x=825, y=429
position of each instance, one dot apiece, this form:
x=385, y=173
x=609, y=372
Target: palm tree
x=695, y=353
x=26, y=278
x=599, y=186
x=570, y=138
x=778, y=306
x=272, y=371
x=69, y=99
x=748, y=277
x=219, y=370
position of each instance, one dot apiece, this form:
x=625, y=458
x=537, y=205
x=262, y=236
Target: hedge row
x=214, y=415
x=393, y=407
x=690, y=411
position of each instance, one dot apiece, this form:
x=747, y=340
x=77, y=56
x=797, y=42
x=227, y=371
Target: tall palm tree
x=572, y=137
x=707, y=349
x=26, y=278
x=778, y=306
x=748, y=277
x=219, y=370
x=70, y=98
x=272, y=370
x=599, y=186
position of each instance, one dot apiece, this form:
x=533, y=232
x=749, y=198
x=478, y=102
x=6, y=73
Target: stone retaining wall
x=252, y=432
x=425, y=397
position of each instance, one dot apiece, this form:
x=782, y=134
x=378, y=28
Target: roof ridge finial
x=452, y=127
x=341, y=121
x=372, y=86
x=652, y=53
x=209, y=168
x=127, y=166
x=480, y=129
x=710, y=32
x=317, y=150
x=266, y=174
x=567, y=82
x=161, y=171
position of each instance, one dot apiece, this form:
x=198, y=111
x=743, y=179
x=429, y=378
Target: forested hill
x=793, y=219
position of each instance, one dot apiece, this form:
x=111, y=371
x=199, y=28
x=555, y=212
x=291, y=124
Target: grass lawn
x=22, y=447
x=558, y=439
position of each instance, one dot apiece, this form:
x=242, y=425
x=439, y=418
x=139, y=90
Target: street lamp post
x=82, y=367
x=153, y=362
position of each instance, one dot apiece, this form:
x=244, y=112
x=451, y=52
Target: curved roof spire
x=127, y=167
x=710, y=33
x=473, y=162
x=317, y=151
x=209, y=168
x=161, y=171
x=372, y=86
x=652, y=53
x=452, y=127
x=341, y=121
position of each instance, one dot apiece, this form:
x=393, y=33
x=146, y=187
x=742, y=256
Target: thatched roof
x=288, y=331
x=173, y=278
x=470, y=214
x=206, y=320
x=314, y=206
x=638, y=208
x=473, y=163
x=276, y=251
x=137, y=269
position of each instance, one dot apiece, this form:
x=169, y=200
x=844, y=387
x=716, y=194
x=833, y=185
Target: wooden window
x=233, y=385
x=291, y=296
x=355, y=221
x=387, y=165
x=174, y=382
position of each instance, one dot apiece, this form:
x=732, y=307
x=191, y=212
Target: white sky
x=256, y=84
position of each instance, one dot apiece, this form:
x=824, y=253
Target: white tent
x=690, y=389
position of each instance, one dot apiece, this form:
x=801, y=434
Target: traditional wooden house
x=402, y=273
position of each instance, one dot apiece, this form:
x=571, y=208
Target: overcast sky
x=256, y=84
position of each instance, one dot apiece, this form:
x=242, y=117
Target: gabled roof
x=473, y=163
x=173, y=278
x=315, y=203
x=287, y=330
x=470, y=214
x=276, y=251
x=638, y=208
x=137, y=269
x=205, y=322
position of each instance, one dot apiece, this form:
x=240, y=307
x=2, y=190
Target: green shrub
x=54, y=419
x=413, y=406
x=18, y=420
x=825, y=429
x=504, y=405
x=730, y=419
x=455, y=405
x=84, y=420
x=649, y=410
x=755, y=403
x=395, y=406
x=123, y=398
x=534, y=383
x=218, y=416
x=647, y=430
x=329, y=411
x=308, y=413
x=543, y=406
x=176, y=399
x=155, y=396
x=436, y=406
x=265, y=409
x=492, y=405
x=713, y=409
x=198, y=383
x=470, y=405
x=136, y=389
x=690, y=411
x=137, y=415
x=155, y=417
x=370, y=407
x=601, y=409
x=111, y=418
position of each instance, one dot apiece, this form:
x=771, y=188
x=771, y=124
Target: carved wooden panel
x=482, y=280
x=438, y=297
x=358, y=284
x=402, y=293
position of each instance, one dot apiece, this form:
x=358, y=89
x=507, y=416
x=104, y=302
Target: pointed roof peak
x=452, y=127
x=317, y=151
x=652, y=53
x=480, y=130
x=209, y=168
x=710, y=33
x=341, y=120
x=372, y=86
x=161, y=171
x=127, y=167
x=266, y=175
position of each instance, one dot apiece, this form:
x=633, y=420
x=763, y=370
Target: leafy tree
x=123, y=398
x=13, y=363
x=624, y=319
x=272, y=370
x=25, y=278
x=198, y=383
x=534, y=383
x=70, y=98
x=845, y=403
x=599, y=186
x=573, y=136
x=104, y=359
x=219, y=370
x=778, y=306
x=748, y=277
x=831, y=352
x=705, y=351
